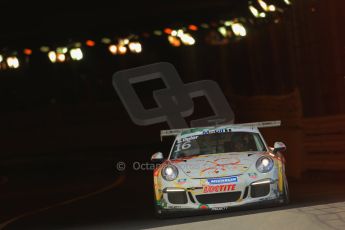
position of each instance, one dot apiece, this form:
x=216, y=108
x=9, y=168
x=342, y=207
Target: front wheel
x=159, y=213
x=286, y=193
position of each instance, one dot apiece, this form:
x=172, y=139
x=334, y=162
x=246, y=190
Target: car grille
x=177, y=197
x=216, y=198
x=245, y=194
x=259, y=190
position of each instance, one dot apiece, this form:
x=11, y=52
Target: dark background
x=63, y=127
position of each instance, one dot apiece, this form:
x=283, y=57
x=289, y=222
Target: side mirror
x=157, y=157
x=279, y=147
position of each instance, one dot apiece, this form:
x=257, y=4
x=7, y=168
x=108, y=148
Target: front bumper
x=191, y=198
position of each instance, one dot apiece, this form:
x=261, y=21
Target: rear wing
x=172, y=132
x=253, y=125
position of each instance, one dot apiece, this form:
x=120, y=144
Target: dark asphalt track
x=92, y=194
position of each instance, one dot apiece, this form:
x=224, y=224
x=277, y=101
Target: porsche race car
x=219, y=167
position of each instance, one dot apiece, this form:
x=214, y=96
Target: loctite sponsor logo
x=219, y=188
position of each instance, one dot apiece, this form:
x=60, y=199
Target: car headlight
x=169, y=172
x=264, y=164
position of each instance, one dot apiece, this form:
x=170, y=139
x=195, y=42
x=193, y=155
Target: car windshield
x=217, y=143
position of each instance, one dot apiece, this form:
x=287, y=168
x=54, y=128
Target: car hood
x=217, y=165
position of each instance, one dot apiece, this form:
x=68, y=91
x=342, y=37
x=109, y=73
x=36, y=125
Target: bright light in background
x=135, y=47
x=187, y=39
x=254, y=11
x=106, y=40
x=180, y=33
x=122, y=49
x=167, y=30
x=27, y=51
x=12, y=62
x=174, y=33
x=90, y=43
x=113, y=49
x=272, y=8
x=44, y=49
x=262, y=15
x=288, y=2
x=263, y=5
x=174, y=41
x=238, y=29
x=228, y=23
x=157, y=32
x=60, y=57
x=266, y=7
x=52, y=56
x=125, y=41
x=1, y=58
x=77, y=44
x=76, y=54
x=193, y=27
x=62, y=50
x=222, y=30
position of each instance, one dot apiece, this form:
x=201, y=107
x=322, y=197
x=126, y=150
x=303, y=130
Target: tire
x=161, y=214
x=286, y=193
x=168, y=214
x=158, y=212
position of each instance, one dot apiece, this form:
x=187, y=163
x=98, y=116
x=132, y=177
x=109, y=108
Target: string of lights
x=219, y=33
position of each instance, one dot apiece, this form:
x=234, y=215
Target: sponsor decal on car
x=253, y=175
x=225, y=130
x=203, y=206
x=219, y=188
x=187, y=139
x=219, y=208
x=181, y=181
x=221, y=164
x=224, y=180
x=174, y=206
x=163, y=203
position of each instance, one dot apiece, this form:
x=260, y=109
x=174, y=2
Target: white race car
x=215, y=168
